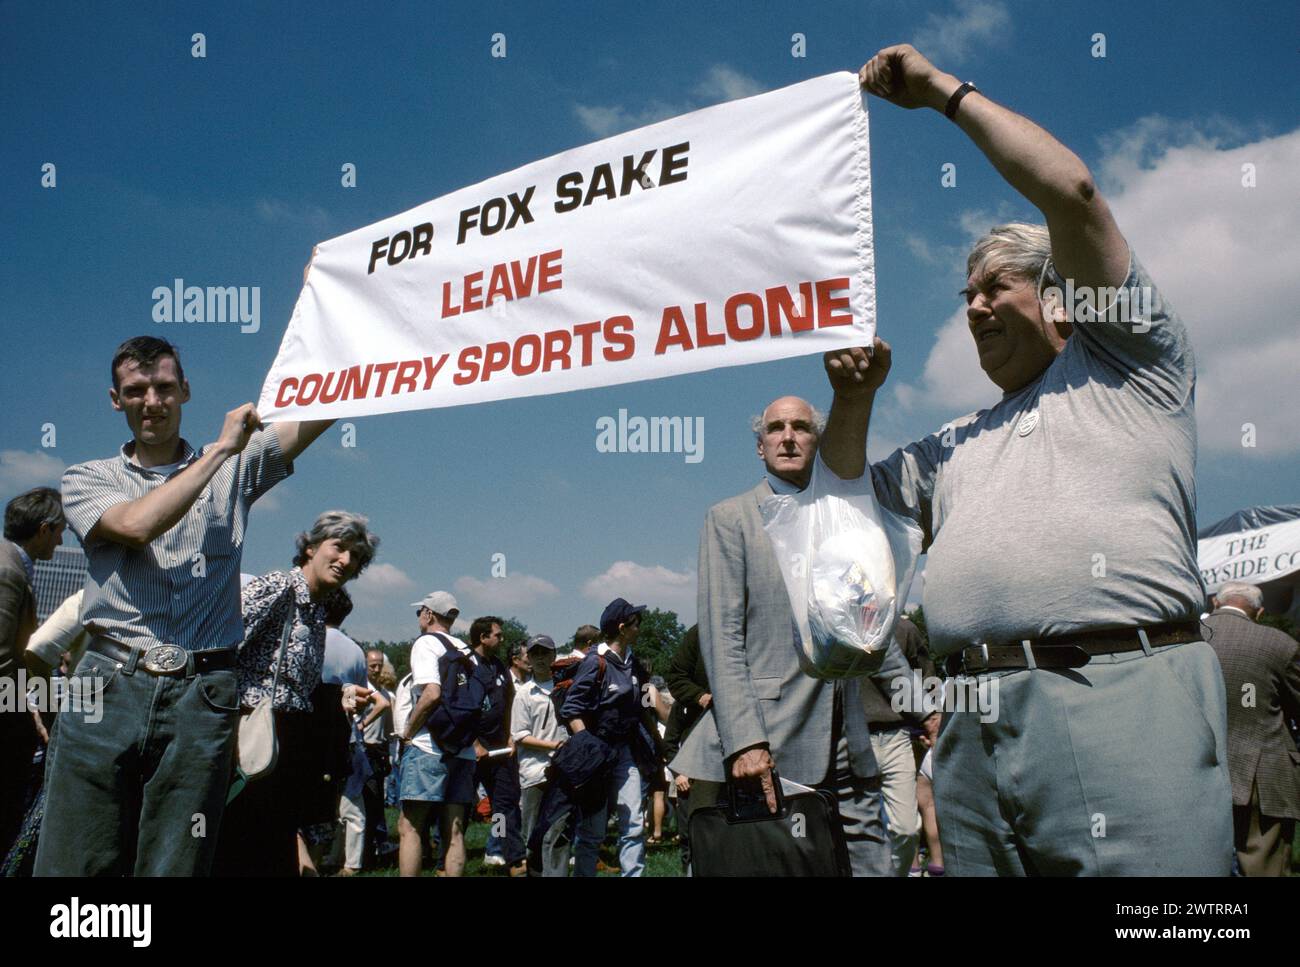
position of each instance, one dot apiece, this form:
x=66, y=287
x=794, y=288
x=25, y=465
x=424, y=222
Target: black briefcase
x=740, y=837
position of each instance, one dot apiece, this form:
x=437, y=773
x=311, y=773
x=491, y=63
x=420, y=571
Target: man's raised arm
x=855, y=377
x=136, y=523
x=1086, y=243
x=294, y=438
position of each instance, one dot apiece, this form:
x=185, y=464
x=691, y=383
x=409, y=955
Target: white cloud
x=1223, y=255
x=721, y=83
x=920, y=248
x=277, y=212
x=604, y=120
x=650, y=584
x=724, y=83
x=950, y=37
x=515, y=590
x=270, y=501
x=381, y=580
x=952, y=381
x=22, y=470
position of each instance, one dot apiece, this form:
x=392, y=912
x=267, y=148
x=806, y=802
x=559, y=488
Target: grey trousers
x=1118, y=768
x=893, y=749
x=530, y=804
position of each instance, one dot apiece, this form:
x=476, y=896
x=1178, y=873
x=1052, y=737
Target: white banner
x=1253, y=556
x=737, y=234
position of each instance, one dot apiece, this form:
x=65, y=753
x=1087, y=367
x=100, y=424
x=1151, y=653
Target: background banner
x=736, y=234
x=1260, y=546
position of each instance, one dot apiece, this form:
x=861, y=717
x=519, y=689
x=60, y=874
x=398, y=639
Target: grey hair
x=348, y=529
x=1017, y=247
x=818, y=419
x=1247, y=593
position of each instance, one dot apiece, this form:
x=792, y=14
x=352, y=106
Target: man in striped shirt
x=142, y=789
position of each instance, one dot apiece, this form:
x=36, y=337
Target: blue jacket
x=609, y=707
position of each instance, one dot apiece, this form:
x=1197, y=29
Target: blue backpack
x=466, y=696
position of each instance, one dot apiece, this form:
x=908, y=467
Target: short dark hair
x=25, y=514
x=337, y=607
x=482, y=626
x=586, y=636
x=145, y=351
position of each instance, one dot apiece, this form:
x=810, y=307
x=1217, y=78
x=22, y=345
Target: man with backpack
x=440, y=741
x=605, y=697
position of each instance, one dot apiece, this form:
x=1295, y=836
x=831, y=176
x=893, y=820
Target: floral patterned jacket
x=267, y=602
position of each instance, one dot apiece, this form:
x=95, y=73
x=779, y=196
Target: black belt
x=1069, y=651
x=164, y=659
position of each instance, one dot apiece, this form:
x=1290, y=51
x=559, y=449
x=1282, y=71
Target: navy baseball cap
x=616, y=613
x=540, y=643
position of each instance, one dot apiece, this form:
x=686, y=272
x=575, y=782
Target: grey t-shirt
x=1070, y=504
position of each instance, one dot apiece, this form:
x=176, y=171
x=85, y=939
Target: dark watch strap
x=957, y=95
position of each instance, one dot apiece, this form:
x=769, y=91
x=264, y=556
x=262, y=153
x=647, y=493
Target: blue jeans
x=625, y=795
x=143, y=789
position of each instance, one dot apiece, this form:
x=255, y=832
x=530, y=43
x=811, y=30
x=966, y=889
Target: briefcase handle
x=751, y=807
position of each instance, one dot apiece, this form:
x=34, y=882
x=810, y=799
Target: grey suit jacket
x=747, y=638
x=17, y=609
x=1260, y=748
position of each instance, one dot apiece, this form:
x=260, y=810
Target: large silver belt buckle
x=165, y=659
x=975, y=659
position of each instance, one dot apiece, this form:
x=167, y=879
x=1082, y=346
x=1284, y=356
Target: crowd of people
x=234, y=733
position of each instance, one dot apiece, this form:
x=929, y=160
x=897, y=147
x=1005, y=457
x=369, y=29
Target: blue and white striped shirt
x=183, y=588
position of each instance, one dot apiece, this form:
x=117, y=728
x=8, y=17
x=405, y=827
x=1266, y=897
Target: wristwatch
x=950, y=111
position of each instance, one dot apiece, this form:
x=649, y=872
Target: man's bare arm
x=136, y=523
x=855, y=377
x=429, y=698
x=1086, y=242
x=379, y=706
x=296, y=437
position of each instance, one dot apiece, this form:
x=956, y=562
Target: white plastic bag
x=847, y=565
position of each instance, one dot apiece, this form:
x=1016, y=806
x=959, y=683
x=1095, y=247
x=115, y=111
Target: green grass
x=660, y=860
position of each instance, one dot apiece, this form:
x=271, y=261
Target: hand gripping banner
x=736, y=234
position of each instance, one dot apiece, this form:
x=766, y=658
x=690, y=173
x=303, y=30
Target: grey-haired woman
x=258, y=834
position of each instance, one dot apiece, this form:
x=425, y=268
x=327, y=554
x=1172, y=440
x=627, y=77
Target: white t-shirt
x=403, y=702
x=424, y=671
x=533, y=713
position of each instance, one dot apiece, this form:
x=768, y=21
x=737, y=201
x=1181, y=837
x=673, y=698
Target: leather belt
x=1069, y=651
x=164, y=659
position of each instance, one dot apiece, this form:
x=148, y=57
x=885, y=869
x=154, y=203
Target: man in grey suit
x=33, y=528
x=765, y=712
x=1261, y=669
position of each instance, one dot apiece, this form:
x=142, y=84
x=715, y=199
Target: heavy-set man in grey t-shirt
x=1060, y=526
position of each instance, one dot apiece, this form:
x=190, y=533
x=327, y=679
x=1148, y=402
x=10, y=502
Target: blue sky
x=225, y=170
